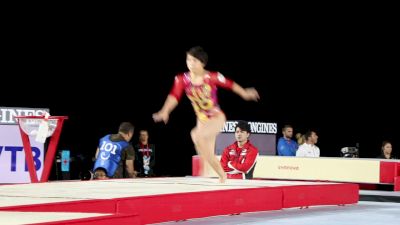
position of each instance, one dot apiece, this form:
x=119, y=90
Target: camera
x=349, y=152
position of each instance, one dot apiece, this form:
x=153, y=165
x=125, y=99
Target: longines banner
x=7, y=114
x=263, y=136
x=13, y=168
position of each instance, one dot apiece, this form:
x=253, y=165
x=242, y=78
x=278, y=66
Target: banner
x=13, y=168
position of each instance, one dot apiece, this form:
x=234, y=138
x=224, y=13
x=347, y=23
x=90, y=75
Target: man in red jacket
x=239, y=159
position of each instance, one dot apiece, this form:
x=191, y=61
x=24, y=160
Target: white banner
x=256, y=127
x=13, y=168
x=8, y=114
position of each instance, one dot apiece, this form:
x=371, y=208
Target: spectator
x=300, y=139
x=386, y=151
x=144, y=155
x=309, y=149
x=287, y=146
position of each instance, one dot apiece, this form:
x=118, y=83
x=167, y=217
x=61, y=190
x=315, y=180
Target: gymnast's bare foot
x=222, y=179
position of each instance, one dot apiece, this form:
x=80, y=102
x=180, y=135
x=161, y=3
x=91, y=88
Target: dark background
x=334, y=76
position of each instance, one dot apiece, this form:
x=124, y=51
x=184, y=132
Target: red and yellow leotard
x=204, y=96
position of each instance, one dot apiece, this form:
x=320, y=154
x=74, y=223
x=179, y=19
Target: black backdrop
x=338, y=80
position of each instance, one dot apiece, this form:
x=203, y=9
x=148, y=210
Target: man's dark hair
x=199, y=53
x=125, y=127
x=286, y=126
x=243, y=125
x=308, y=134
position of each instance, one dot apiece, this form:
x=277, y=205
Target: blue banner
x=65, y=161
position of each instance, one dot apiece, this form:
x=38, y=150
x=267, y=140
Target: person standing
x=286, y=145
x=144, y=155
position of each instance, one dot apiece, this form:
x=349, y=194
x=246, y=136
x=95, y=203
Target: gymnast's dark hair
x=199, y=53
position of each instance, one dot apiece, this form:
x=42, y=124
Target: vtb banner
x=263, y=136
x=13, y=168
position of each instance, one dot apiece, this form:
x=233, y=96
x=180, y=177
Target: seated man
x=239, y=159
x=309, y=149
x=113, y=150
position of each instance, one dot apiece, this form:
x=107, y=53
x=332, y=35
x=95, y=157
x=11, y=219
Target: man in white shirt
x=309, y=149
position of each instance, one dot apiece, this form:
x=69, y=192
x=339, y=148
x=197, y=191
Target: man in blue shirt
x=113, y=152
x=287, y=146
